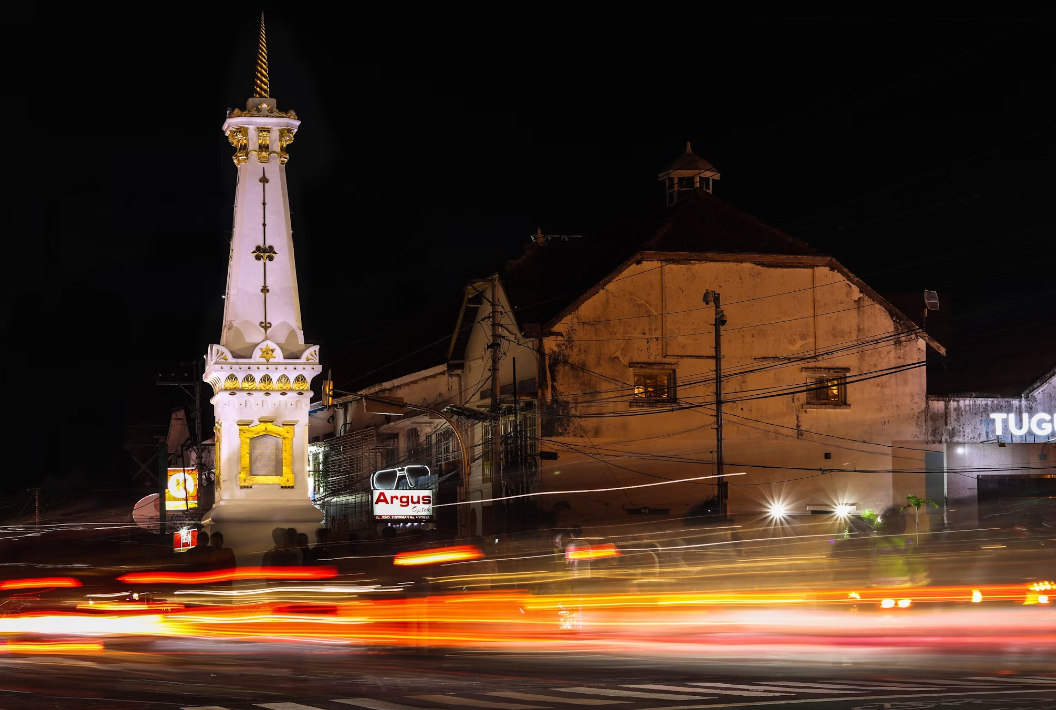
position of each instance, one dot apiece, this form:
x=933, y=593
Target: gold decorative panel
x=265, y=383
x=263, y=144
x=249, y=382
x=285, y=138
x=231, y=383
x=239, y=138
x=283, y=383
x=275, y=460
x=300, y=382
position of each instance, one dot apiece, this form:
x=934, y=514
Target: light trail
x=39, y=582
x=440, y=554
x=229, y=575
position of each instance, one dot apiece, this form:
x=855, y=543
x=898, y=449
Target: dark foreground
x=216, y=675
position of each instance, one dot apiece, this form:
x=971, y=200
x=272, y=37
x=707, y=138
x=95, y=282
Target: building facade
x=604, y=394
x=997, y=453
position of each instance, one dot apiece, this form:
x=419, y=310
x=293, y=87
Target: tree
x=871, y=518
x=916, y=502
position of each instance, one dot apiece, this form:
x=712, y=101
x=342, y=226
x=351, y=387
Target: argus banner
x=403, y=505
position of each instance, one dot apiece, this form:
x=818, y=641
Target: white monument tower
x=261, y=372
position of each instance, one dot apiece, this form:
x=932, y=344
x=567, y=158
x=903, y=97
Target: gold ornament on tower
x=265, y=383
x=283, y=383
x=300, y=382
x=249, y=382
x=231, y=383
x=260, y=84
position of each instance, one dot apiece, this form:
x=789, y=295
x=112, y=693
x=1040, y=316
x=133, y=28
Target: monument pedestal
x=246, y=525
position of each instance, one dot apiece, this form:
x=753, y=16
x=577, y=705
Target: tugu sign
x=1039, y=424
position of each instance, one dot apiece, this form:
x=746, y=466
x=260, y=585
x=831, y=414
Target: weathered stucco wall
x=969, y=436
x=785, y=323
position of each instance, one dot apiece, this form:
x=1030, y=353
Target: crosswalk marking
x=824, y=691
x=550, y=698
x=470, y=702
x=205, y=707
x=1014, y=679
x=613, y=692
x=721, y=688
x=860, y=687
x=372, y=704
x=286, y=706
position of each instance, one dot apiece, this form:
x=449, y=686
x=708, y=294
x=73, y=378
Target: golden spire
x=260, y=84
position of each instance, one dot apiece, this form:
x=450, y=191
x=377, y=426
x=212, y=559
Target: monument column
x=261, y=370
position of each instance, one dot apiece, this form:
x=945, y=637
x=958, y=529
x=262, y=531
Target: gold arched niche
x=248, y=432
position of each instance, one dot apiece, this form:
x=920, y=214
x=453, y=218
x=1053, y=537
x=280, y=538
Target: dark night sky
x=919, y=154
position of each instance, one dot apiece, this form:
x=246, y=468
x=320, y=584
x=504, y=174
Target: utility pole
x=516, y=448
x=36, y=493
x=720, y=320
x=497, y=506
x=163, y=483
x=195, y=382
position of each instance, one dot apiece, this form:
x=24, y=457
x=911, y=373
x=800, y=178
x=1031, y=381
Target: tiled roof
x=548, y=278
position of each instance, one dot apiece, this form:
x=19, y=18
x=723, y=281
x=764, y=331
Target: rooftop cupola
x=686, y=173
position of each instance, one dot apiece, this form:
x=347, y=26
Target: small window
x=686, y=183
x=655, y=385
x=705, y=184
x=827, y=390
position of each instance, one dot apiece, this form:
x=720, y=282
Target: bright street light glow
x=842, y=511
x=777, y=510
x=977, y=596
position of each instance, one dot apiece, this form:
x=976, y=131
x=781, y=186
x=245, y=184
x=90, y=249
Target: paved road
x=186, y=674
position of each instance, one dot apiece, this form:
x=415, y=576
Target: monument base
x=247, y=525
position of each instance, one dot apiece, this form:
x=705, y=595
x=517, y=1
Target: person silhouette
x=277, y=556
x=319, y=552
x=307, y=558
x=198, y=556
x=223, y=557
x=292, y=550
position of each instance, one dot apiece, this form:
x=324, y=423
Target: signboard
x=147, y=513
x=405, y=493
x=1040, y=424
x=403, y=505
x=265, y=455
x=183, y=540
x=181, y=492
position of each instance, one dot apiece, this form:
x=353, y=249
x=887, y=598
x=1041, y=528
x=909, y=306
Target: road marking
x=631, y=694
x=773, y=686
x=1012, y=679
x=551, y=698
x=962, y=683
x=844, y=698
x=863, y=687
x=372, y=704
x=286, y=706
x=469, y=702
x=205, y=707
x=721, y=688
